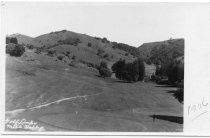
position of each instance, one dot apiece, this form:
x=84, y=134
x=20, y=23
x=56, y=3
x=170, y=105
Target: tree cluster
x=129, y=71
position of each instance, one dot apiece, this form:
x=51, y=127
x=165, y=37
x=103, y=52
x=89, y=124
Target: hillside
x=81, y=47
x=22, y=39
x=55, y=84
x=162, y=51
x=63, y=98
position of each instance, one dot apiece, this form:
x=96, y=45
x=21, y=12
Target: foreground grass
x=71, y=99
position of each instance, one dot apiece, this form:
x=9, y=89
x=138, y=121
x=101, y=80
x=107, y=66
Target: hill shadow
x=121, y=81
x=166, y=86
x=174, y=119
x=178, y=94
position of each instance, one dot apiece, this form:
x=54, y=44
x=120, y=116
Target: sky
x=130, y=23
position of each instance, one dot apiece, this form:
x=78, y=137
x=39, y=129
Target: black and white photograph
x=95, y=67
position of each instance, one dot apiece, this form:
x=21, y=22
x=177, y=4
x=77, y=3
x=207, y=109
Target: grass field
x=64, y=98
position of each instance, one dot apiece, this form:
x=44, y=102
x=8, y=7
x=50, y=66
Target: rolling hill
x=69, y=47
x=82, y=47
x=42, y=86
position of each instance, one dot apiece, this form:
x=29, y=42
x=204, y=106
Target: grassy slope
x=110, y=106
x=81, y=51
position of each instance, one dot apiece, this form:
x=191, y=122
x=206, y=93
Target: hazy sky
x=129, y=23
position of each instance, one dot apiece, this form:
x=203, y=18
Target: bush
x=100, y=52
x=106, y=56
x=51, y=53
x=103, y=65
x=67, y=53
x=60, y=57
x=73, y=57
x=29, y=46
x=38, y=50
x=70, y=41
x=104, y=40
x=179, y=94
x=89, y=44
x=104, y=72
x=15, y=50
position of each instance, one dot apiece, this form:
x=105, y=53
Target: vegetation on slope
x=164, y=51
x=13, y=48
x=129, y=71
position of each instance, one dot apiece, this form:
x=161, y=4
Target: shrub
x=179, y=94
x=89, y=44
x=60, y=57
x=89, y=64
x=51, y=53
x=15, y=50
x=29, y=46
x=70, y=41
x=73, y=57
x=105, y=72
x=106, y=56
x=100, y=52
x=38, y=50
x=104, y=40
x=103, y=64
